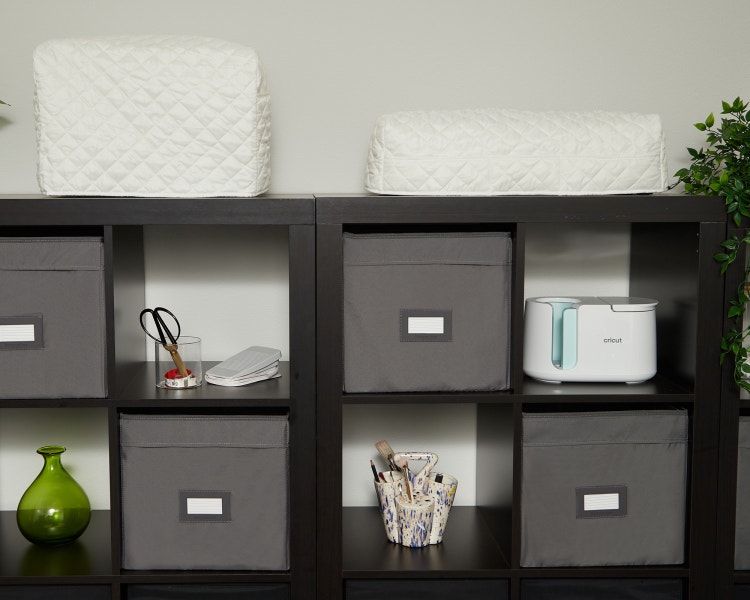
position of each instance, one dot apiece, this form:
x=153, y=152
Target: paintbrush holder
x=441, y=488
x=387, y=492
x=421, y=520
x=415, y=519
x=166, y=370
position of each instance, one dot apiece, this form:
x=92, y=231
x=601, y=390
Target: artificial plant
x=723, y=169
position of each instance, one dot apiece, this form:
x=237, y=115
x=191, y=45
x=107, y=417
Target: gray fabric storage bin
x=205, y=492
x=426, y=589
x=426, y=311
x=52, y=318
x=603, y=488
x=742, y=518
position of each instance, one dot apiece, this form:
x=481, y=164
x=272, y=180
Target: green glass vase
x=54, y=509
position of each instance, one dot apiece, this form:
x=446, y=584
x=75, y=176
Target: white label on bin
x=17, y=333
x=601, y=502
x=426, y=325
x=205, y=506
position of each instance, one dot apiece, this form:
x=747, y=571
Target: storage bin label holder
x=601, y=501
x=202, y=506
x=425, y=325
x=21, y=333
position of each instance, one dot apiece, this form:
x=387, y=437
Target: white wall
x=332, y=67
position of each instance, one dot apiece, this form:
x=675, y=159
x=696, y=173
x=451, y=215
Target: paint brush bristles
x=385, y=450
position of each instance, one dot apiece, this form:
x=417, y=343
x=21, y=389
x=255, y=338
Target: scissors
x=165, y=336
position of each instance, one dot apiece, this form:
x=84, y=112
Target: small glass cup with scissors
x=181, y=376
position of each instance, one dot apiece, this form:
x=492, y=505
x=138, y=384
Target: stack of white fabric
x=253, y=364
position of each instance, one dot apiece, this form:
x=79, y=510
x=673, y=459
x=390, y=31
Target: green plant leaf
x=735, y=311
x=723, y=168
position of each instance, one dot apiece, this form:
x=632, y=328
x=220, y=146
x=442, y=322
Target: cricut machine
x=590, y=339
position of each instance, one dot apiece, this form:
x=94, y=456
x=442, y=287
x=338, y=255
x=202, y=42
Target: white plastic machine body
x=605, y=339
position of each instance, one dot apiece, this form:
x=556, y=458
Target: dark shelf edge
x=271, y=209
x=151, y=577
x=57, y=403
x=615, y=572
x=658, y=399
x=460, y=398
x=32, y=580
x=660, y=390
x=203, y=577
x=607, y=572
x=624, y=208
x=446, y=574
x=504, y=397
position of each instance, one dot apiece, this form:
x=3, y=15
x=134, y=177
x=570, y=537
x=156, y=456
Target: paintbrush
x=402, y=464
x=385, y=450
x=374, y=471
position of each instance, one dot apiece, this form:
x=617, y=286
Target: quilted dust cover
x=492, y=151
x=175, y=116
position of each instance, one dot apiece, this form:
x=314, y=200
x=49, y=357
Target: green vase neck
x=51, y=456
x=50, y=450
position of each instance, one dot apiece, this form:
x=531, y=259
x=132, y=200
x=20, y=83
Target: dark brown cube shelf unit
x=672, y=240
x=733, y=539
x=91, y=567
x=336, y=549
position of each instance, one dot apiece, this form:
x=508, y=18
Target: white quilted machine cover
x=516, y=152
x=174, y=116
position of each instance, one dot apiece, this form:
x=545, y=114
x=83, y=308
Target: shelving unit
x=734, y=404
x=93, y=561
x=672, y=241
